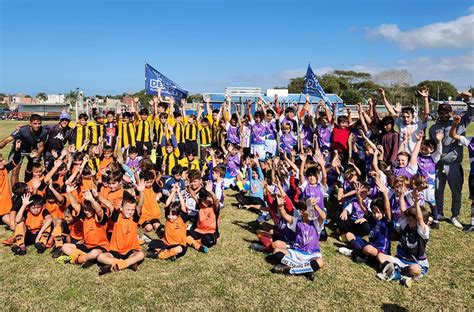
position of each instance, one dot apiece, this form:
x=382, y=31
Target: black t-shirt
x=29, y=138
x=57, y=137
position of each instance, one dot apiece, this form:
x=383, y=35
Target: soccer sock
x=314, y=265
x=193, y=243
x=240, y=185
x=355, y=245
x=44, y=237
x=265, y=240
x=166, y=254
x=19, y=236
x=434, y=212
x=58, y=236
x=279, y=255
x=121, y=264
x=75, y=255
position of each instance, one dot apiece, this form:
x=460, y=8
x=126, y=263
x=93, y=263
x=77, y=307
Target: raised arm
x=454, y=128
x=387, y=104
x=419, y=214
x=386, y=201
x=416, y=150
x=424, y=93
x=361, y=117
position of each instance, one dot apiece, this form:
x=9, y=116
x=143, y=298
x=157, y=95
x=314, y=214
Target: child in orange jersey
x=207, y=232
x=151, y=212
x=124, y=246
x=33, y=225
x=5, y=193
x=95, y=241
x=173, y=245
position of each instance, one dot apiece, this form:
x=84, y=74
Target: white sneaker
x=388, y=270
x=146, y=239
x=406, y=281
x=456, y=223
x=345, y=251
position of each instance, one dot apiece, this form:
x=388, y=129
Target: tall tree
x=296, y=85
x=42, y=96
x=440, y=90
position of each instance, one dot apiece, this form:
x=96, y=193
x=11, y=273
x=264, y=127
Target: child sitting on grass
x=304, y=255
x=125, y=248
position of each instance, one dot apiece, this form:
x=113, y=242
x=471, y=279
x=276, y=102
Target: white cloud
x=458, y=33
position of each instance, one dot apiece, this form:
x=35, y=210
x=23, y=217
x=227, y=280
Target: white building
x=55, y=98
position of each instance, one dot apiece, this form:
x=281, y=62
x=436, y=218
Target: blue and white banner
x=154, y=80
x=312, y=87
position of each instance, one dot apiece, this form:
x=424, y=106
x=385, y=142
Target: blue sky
x=101, y=46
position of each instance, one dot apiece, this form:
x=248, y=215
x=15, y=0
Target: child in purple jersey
x=407, y=165
x=257, y=135
x=469, y=142
x=410, y=261
x=310, y=184
x=304, y=255
x=307, y=131
x=233, y=130
x=352, y=218
x=381, y=226
x=430, y=153
x=133, y=160
x=233, y=175
x=324, y=127
x=397, y=197
x=288, y=140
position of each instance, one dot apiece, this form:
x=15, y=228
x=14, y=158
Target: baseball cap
x=445, y=107
x=65, y=115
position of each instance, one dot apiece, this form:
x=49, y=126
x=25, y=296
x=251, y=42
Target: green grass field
x=233, y=277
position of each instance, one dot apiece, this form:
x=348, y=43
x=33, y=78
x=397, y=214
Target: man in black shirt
x=58, y=135
x=32, y=139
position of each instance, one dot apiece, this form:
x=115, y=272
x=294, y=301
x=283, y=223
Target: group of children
x=294, y=165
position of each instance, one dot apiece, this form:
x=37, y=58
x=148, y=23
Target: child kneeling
x=304, y=256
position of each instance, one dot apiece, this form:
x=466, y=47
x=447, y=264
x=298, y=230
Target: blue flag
x=312, y=87
x=154, y=80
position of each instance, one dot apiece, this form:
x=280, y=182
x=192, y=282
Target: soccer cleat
x=388, y=269
x=257, y=247
x=63, y=259
x=17, y=250
x=342, y=238
x=146, y=239
x=105, y=269
x=441, y=218
x=360, y=260
x=263, y=217
x=469, y=229
x=406, y=281
x=435, y=225
x=152, y=254
x=40, y=248
x=310, y=276
x=172, y=258
x=280, y=269
x=56, y=252
x=382, y=276
x=134, y=267
x=345, y=251
x=456, y=223
x=9, y=241
x=203, y=249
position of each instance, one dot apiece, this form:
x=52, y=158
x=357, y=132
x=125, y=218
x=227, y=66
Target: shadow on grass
x=251, y=226
x=392, y=307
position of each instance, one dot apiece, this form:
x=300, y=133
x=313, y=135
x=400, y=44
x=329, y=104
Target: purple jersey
x=308, y=135
x=324, y=137
x=288, y=141
x=271, y=130
x=355, y=210
x=233, y=164
x=380, y=234
x=427, y=167
x=395, y=207
x=257, y=136
x=410, y=201
x=233, y=134
x=314, y=191
x=407, y=171
x=307, y=237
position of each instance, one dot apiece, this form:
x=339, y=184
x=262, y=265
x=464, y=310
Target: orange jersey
x=125, y=233
x=105, y=162
x=56, y=210
x=42, y=189
x=151, y=209
x=95, y=231
x=5, y=193
x=207, y=221
x=115, y=197
x=175, y=232
x=76, y=229
x=87, y=184
x=34, y=223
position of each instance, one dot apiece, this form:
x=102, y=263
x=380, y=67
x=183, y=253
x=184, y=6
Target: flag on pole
x=154, y=80
x=312, y=87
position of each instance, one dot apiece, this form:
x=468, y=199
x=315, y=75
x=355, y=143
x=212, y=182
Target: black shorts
x=159, y=244
x=120, y=256
x=30, y=237
x=207, y=240
x=152, y=221
x=85, y=249
x=471, y=186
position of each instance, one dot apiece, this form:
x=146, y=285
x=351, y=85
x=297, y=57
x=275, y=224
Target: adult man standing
x=32, y=138
x=449, y=167
x=58, y=135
